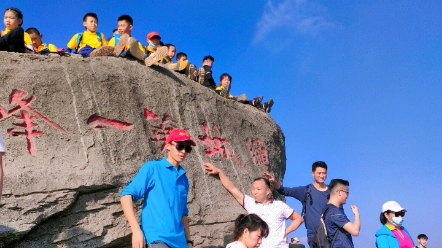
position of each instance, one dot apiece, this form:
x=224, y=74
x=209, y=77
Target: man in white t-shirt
x=274, y=213
x=2, y=152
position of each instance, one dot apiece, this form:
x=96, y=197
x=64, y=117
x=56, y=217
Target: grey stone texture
x=66, y=193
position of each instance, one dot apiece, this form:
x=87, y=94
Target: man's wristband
x=190, y=242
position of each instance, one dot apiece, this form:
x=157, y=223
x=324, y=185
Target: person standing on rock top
x=2, y=152
x=273, y=212
x=313, y=197
x=163, y=186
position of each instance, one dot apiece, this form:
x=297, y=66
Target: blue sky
x=356, y=84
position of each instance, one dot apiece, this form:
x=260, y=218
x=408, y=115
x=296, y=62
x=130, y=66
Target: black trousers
x=14, y=41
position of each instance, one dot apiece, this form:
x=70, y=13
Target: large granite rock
x=77, y=131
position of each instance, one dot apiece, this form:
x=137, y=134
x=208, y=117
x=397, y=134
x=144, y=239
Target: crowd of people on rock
x=163, y=185
x=91, y=43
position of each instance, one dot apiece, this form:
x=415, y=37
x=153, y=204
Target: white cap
x=392, y=206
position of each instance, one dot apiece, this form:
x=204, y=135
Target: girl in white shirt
x=249, y=231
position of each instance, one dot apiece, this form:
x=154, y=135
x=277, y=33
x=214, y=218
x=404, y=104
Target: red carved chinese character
x=26, y=114
x=160, y=128
x=97, y=122
x=217, y=145
x=258, y=153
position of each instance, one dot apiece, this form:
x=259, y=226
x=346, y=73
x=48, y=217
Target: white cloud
x=300, y=16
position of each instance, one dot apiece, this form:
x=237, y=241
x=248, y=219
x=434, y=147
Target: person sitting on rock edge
x=14, y=38
x=273, y=212
x=38, y=46
x=155, y=50
x=124, y=44
x=182, y=64
x=190, y=71
x=249, y=231
x=205, y=73
x=164, y=222
x=90, y=43
x=224, y=91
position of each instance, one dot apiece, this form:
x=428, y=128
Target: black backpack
x=321, y=240
x=304, y=202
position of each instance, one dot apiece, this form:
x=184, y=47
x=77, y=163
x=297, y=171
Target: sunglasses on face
x=181, y=146
x=398, y=214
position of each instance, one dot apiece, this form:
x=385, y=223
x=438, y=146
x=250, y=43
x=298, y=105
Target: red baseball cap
x=153, y=34
x=179, y=135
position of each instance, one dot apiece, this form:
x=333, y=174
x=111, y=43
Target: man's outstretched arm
x=226, y=182
x=297, y=192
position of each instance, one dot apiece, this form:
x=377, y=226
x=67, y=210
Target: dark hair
x=336, y=182
x=113, y=31
x=17, y=12
x=266, y=180
x=126, y=18
x=252, y=222
x=91, y=15
x=422, y=236
x=168, y=45
x=33, y=31
x=179, y=55
x=225, y=75
x=208, y=57
x=319, y=164
x=383, y=219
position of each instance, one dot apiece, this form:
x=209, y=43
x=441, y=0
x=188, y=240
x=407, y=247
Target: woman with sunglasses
x=393, y=234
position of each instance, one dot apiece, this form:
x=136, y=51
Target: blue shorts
x=86, y=51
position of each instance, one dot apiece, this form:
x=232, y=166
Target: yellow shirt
x=112, y=44
x=50, y=47
x=150, y=49
x=88, y=39
x=28, y=40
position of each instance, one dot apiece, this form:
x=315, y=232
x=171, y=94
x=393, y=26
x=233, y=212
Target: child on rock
x=14, y=38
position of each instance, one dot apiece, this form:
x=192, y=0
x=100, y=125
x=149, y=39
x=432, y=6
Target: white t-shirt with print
x=2, y=144
x=274, y=214
x=236, y=244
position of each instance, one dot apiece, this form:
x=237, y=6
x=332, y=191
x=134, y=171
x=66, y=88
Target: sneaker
x=158, y=55
x=182, y=65
x=124, y=40
x=242, y=98
x=224, y=92
x=256, y=101
x=102, y=51
x=268, y=106
x=178, y=66
x=190, y=72
x=135, y=50
x=202, y=75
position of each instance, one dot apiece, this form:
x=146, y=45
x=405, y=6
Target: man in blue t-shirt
x=163, y=186
x=335, y=219
x=313, y=196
